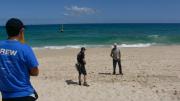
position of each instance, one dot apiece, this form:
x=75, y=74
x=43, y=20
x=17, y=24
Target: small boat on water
x=62, y=29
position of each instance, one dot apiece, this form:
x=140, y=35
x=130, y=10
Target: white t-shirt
x=115, y=53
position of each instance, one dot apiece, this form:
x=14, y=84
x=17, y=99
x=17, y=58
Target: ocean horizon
x=100, y=35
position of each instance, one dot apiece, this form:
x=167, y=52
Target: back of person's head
x=13, y=27
x=115, y=45
x=83, y=48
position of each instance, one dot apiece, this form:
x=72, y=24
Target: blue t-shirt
x=16, y=60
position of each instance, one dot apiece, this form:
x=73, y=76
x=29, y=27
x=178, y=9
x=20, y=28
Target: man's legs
x=85, y=75
x=114, y=66
x=120, y=69
x=85, y=82
x=82, y=70
x=27, y=98
x=78, y=66
x=79, y=78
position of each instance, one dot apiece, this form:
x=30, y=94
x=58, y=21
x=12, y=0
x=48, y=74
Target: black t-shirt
x=80, y=57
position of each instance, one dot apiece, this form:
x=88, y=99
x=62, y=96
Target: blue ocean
x=100, y=35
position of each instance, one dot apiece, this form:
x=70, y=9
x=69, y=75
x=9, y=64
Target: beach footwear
x=121, y=73
x=85, y=84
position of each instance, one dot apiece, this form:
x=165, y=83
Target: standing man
x=81, y=66
x=116, y=56
x=17, y=64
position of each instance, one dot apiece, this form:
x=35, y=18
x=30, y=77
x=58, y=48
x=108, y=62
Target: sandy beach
x=150, y=74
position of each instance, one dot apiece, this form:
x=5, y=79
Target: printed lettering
x=13, y=52
x=8, y=52
x=2, y=51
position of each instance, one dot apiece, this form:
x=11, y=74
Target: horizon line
x=102, y=23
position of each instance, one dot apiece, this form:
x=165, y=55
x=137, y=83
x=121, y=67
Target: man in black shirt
x=81, y=66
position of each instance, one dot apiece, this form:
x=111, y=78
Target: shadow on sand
x=71, y=82
x=105, y=73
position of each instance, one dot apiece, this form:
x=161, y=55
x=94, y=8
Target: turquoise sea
x=100, y=35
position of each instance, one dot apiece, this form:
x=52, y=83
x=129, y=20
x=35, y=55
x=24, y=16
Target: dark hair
x=83, y=48
x=13, y=27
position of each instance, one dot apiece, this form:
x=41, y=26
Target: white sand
x=150, y=74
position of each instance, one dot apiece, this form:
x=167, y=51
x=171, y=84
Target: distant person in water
x=17, y=63
x=81, y=66
x=116, y=56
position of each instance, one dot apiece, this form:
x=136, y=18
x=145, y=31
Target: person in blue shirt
x=17, y=63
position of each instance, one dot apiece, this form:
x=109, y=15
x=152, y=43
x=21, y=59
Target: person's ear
x=21, y=30
x=21, y=35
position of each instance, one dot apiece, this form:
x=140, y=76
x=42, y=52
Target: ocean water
x=100, y=35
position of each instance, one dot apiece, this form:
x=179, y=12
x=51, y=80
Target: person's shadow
x=105, y=73
x=71, y=82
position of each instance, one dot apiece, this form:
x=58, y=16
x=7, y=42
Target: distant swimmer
x=116, y=56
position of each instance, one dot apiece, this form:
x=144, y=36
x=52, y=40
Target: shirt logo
x=8, y=52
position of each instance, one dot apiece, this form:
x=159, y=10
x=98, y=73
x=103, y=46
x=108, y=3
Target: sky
x=90, y=11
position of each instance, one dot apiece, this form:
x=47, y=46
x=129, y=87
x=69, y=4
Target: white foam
x=137, y=45
x=93, y=46
x=49, y=47
x=153, y=36
x=59, y=47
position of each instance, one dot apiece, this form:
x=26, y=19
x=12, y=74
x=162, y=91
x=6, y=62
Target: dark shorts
x=26, y=98
x=81, y=69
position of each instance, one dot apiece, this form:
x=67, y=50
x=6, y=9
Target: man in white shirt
x=116, y=56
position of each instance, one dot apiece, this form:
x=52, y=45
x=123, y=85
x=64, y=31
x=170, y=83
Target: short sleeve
x=31, y=59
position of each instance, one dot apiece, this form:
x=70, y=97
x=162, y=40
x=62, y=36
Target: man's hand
x=84, y=61
x=34, y=72
x=111, y=55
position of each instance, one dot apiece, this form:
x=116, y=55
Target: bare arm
x=119, y=54
x=111, y=54
x=34, y=71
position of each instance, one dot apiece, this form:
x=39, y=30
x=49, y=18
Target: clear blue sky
x=91, y=11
